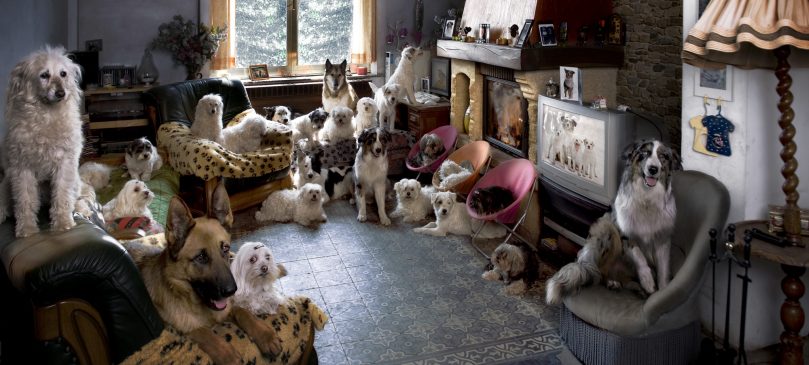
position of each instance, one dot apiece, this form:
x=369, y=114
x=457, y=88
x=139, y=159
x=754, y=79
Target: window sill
x=301, y=80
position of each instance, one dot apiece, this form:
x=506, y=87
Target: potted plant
x=190, y=44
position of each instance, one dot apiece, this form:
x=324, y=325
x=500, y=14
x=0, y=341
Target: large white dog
x=208, y=118
x=44, y=140
x=452, y=217
x=303, y=206
x=404, y=75
x=386, y=98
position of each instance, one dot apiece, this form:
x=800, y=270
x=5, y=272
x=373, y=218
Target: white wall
x=752, y=176
x=27, y=26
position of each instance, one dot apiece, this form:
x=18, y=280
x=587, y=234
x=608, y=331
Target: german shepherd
x=336, y=89
x=190, y=281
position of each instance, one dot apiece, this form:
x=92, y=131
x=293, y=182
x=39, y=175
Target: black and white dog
x=141, y=159
x=371, y=171
x=644, y=212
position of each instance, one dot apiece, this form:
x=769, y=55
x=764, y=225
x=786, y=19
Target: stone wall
x=650, y=82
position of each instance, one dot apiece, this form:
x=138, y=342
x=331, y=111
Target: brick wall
x=650, y=81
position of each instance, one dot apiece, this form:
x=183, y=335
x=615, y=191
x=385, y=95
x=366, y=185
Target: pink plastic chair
x=518, y=176
x=448, y=135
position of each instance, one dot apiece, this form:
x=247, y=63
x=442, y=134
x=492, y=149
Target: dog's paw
x=63, y=224
x=26, y=230
x=614, y=284
x=362, y=217
x=267, y=341
x=646, y=281
x=491, y=275
x=385, y=221
x=516, y=288
x=419, y=230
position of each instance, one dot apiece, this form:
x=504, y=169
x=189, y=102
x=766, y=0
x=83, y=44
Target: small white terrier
x=413, y=200
x=208, y=118
x=386, y=98
x=452, y=217
x=366, y=116
x=338, y=126
x=308, y=126
x=246, y=136
x=95, y=174
x=255, y=271
x=132, y=201
x=141, y=159
x=280, y=114
x=405, y=76
x=303, y=206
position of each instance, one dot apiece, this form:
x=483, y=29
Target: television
x=579, y=148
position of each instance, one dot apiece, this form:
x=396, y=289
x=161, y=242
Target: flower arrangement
x=190, y=44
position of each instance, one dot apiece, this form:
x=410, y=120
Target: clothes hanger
x=700, y=132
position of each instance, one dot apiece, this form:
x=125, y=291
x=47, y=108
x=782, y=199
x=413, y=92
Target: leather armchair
x=249, y=177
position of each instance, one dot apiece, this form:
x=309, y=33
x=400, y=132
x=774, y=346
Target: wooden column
x=792, y=316
x=792, y=223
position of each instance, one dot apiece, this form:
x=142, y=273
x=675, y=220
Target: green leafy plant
x=190, y=44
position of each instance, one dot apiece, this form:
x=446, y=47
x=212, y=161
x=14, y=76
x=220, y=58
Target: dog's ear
x=433, y=198
x=328, y=64
x=629, y=151
x=343, y=65
x=178, y=223
x=282, y=270
x=366, y=133
x=220, y=206
x=676, y=160
x=384, y=136
x=18, y=84
x=397, y=187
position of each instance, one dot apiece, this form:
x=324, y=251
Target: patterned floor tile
x=332, y=277
x=339, y=293
x=326, y=263
x=331, y=354
x=355, y=330
x=299, y=267
x=349, y=310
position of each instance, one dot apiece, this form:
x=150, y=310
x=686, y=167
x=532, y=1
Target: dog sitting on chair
x=208, y=118
x=255, y=272
x=644, y=211
x=430, y=148
x=132, y=201
x=141, y=159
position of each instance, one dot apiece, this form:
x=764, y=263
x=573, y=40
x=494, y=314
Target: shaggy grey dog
x=516, y=264
x=44, y=139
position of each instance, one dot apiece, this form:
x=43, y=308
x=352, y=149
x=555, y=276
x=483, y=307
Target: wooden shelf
x=119, y=124
x=117, y=90
x=532, y=59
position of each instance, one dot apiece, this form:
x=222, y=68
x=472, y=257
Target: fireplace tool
x=727, y=354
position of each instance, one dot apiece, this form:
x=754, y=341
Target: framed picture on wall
x=440, y=76
x=715, y=84
x=448, y=29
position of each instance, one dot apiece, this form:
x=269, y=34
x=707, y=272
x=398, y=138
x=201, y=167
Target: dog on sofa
x=141, y=159
x=208, y=118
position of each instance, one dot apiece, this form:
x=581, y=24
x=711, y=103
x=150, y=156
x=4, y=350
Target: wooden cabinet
x=114, y=118
x=421, y=118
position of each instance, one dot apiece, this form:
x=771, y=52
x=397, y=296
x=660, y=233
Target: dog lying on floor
x=517, y=265
x=644, y=211
x=451, y=216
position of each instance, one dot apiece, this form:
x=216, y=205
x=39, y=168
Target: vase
x=147, y=71
x=193, y=72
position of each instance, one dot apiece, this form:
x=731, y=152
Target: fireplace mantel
x=532, y=59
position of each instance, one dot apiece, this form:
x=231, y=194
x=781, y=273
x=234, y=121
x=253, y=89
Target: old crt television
x=579, y=148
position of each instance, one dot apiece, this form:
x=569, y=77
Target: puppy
x=371, y=171
x=280, y=114
x=246, y=136
x=452, y=217
x=255, y=272
x=208, y=118
x=95, y=174
x=308, y=126
x=366, y=116
x=588, y=159
x=430, y=148
x=336, y=89
x=404, y=74
x=517, y=265
x=132, y=201
x=43, y=141
x=303, y=206
x=338, y=126
x=412, y=200
x=141, y=159
x=385, y=98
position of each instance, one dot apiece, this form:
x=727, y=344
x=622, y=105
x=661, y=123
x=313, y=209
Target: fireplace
x=505, y=117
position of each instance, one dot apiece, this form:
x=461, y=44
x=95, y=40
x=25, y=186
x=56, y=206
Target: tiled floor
x=399, y=297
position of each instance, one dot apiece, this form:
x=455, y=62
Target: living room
x=449, y=313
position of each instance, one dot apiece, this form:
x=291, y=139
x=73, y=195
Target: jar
x=483, y=33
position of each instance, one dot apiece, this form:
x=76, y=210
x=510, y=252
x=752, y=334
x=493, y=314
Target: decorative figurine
x=616, y=34
x=562, y=33
x=582, y=39
x=552, y=89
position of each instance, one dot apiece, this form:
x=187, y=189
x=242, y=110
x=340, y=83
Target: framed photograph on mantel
x=524, y=33
x=547, y=36
x=570, y=78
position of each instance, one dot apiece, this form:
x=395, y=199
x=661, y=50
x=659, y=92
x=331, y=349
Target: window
x=293, y=35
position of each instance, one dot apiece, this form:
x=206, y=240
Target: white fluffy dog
x=141, y=159
x=386, y=98
x=95, y=174
x=303, y=206
x=255, y=272
x=451, y=173
x=44, y=140
x=132, y=201
x=413, y=200
x=588, y=160
x=452, y=217
x=404, y=74
x=208, y=118
x=246, y=136
x=366, y=116
x=338, y=126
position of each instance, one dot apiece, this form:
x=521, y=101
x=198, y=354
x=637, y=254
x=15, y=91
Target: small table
x=422, y=118
x=794, y=261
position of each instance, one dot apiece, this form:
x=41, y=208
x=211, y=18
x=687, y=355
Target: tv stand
x=567, y=213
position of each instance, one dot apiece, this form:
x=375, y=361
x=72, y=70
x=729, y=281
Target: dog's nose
x=310, y=176
x=443, y=211
x=60, y=94
x=264, y=268
x=407, y=194
x=653, y=170
x=378, y=150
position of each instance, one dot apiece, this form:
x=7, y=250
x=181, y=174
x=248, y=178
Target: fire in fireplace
x=505, y=121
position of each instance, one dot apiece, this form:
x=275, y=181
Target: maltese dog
x=303, y=206
x=132, y=201
x=208, y=118
x=246, y=136
x=95, y=174
x=255, y=272
x=413, y=200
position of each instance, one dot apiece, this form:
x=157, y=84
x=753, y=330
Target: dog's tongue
x=220, y=304
x=650, y=181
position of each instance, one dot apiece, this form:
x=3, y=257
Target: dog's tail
x=373, y=87
x=603, y=247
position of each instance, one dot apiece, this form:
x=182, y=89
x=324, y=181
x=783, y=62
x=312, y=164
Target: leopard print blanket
x=189, y=155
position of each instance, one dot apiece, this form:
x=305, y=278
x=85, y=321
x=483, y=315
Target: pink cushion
x=448, y=135
x=518, y=176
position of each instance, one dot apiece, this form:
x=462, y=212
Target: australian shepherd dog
x=624, y=246
x=371, y=171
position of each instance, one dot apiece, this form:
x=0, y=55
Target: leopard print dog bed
x=205, y=159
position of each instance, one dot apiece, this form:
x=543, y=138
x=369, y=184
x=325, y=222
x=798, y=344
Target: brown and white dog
x=336, y=89
x=371, y=171
x=644, y=211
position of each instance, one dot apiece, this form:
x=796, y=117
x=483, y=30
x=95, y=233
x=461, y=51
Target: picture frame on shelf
x=570, y=83
x=547, y=36
x=715, y=84
x=425, y=84
x=258, y=72
x=440, y=76
x=448, y=28
x=525, y=32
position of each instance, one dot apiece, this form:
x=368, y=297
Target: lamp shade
x=744, y=33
